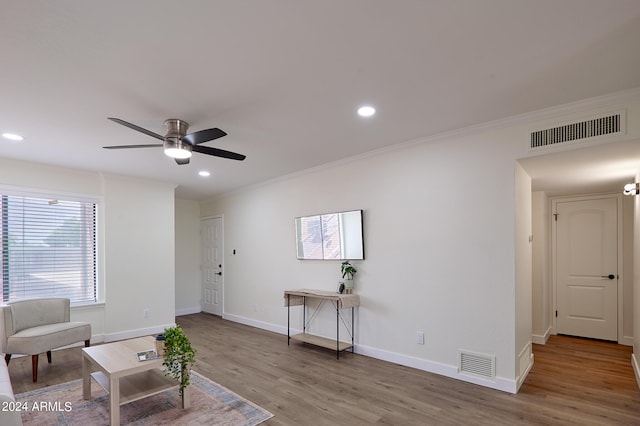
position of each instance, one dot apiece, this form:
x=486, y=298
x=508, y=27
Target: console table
x=339, y=301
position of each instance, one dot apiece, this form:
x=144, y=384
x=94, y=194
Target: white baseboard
x=541, y=339
x=524, y=375
x=123, y=335
x=498, y=383
x=626, y=340
x=131, y=334
x=256, y=324
x=525, y=364
x=636, y=369
x=112, y=337
x=189, y=311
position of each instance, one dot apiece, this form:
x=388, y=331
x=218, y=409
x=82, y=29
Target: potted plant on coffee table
x=179, y=356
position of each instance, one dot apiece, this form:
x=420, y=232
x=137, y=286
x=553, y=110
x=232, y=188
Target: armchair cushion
x=39, y=339
x=24, y=314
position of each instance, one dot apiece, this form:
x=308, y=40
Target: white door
x=587, y=268
x=211, y=266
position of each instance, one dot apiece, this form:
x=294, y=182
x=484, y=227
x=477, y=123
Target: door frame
x=202, y=219
x=554, y=202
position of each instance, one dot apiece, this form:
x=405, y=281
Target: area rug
x=211, y=404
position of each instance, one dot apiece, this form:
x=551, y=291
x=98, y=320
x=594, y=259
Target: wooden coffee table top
x=119, y=359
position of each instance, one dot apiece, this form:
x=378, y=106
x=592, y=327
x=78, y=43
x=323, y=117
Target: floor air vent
x=477, y=364
x=585, y=130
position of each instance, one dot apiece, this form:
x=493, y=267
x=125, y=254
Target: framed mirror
x=331, y=236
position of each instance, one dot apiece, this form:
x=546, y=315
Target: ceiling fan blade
x=138, y=128
x=218, y=152
x=181, y=161
x=154, y=145
x=202, y=136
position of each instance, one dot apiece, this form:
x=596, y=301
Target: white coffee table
x=123, y=376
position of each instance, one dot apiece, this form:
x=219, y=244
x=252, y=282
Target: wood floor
x=573, y=382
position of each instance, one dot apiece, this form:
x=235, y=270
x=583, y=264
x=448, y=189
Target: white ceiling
x=284, y=78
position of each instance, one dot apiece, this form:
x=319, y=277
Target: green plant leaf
x=179, y=356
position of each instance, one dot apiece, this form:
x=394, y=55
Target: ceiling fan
x=178, y=144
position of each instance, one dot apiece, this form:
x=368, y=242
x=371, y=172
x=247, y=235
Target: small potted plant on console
x=348, y=272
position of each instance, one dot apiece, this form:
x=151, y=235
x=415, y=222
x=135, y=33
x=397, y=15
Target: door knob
x=610, y=276
x=218, y=273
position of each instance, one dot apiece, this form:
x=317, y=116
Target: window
x=48, y=249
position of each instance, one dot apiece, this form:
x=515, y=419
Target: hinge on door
x=556, y=314
x=555, y=216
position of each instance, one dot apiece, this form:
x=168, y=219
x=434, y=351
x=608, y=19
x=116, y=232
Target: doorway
x=211, y=250
x=586, y=236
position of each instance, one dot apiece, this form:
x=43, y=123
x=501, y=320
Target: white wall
x=523, y=299
x=541, y=285
x=135, y=245
x=440, y=243
x=636, y=282
x=628, y=233
x=139, y=255
x=188, y=287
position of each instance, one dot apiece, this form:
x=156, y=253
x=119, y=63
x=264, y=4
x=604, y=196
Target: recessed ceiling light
x=12, y=137
x=366, y=111
x=204, y=173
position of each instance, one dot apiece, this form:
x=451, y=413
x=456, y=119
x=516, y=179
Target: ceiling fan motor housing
x=176, y=129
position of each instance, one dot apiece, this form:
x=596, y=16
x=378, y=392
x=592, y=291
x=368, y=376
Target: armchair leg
x=34, y=367
x=49, y=356
x=7, y=358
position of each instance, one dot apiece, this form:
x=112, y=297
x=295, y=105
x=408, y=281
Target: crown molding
x=581, y=106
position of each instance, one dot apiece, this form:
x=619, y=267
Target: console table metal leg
x=288, y=319
x=337, y=331
x=353, y=345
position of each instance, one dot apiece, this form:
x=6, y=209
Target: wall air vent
x=584, y=131
x=477, y=364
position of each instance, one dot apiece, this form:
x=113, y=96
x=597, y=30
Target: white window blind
x=48, y=249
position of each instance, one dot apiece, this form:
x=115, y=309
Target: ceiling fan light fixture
x=174, y=148
x=179, y=153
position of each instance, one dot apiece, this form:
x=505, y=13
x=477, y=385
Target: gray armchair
x=34, y=326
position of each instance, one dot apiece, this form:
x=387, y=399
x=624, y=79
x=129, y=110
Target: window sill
x=87, y=305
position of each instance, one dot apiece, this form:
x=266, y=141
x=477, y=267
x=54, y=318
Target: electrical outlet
x=420, y=337
x=145, y=313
